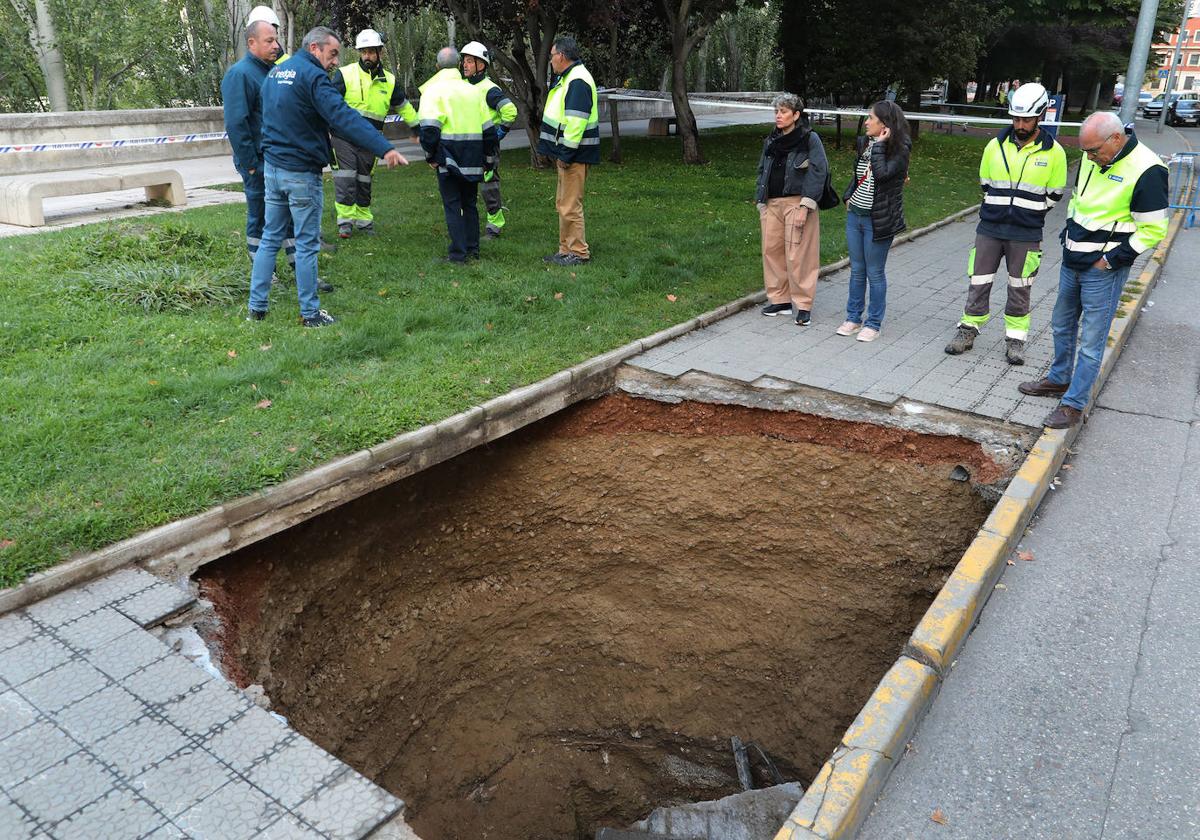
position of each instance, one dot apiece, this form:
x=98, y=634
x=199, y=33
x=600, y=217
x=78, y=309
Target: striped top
x=863, y=196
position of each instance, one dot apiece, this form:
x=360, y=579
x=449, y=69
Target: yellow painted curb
x=839, y=799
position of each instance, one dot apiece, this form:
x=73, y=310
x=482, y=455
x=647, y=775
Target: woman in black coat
x=875, y=214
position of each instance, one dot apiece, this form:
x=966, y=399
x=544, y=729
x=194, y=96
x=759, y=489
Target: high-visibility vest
x=1021, y=183
x=573, y=132
x=1100, y=217
x=367, y=93
x=455, y=110
x=505, y=112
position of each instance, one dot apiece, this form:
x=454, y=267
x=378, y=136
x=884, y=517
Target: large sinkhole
x=562, y=630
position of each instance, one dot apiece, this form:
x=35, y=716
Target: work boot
x=1062, y=417
x=1014, y=351
x=1043, y=388
x=345, y=231
x=322, y=286
x=492, y=232
x=321, y=319
x=368, y=229
x=964, y=340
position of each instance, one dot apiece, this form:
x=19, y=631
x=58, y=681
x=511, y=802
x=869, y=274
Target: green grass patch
x=137, y=393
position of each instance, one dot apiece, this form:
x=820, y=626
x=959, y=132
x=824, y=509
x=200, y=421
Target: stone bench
x=21, y=196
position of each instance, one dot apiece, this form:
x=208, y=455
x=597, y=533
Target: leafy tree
x=22, y=83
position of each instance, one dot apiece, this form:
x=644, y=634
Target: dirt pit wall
x=562, y=630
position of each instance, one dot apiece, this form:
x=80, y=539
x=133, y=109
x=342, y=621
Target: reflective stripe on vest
x=555, y=114
x=1099, y=216
x=370, y=95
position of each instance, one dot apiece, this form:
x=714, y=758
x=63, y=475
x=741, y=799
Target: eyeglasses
x=1096, y=149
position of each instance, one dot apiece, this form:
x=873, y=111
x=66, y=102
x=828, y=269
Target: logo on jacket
x=1116, y=178
x=1041, y=163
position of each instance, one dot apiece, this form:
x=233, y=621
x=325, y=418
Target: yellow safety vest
x=366, y=93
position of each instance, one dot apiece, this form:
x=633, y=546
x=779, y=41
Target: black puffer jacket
x=887, y=213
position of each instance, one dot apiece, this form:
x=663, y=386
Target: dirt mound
x=562, y=630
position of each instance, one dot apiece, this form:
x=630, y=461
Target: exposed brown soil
x=563, y=630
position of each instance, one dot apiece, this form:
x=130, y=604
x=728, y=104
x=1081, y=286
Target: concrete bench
x=21, y=196
x=661, y=126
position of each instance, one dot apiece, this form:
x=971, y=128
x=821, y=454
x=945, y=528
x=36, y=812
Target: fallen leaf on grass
x=383, y=292
x=558, y=295
x=263, y=404
x=1025, y=555
x=5, y=544
x=488, y=326
x=232, y=354
x=454, y=284
x=938, y=817
x=672, y=298
x=291, y=449
x=152, y=381
x=264, y=347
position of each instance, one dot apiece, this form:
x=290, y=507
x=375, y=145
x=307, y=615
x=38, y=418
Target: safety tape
x=129, y=141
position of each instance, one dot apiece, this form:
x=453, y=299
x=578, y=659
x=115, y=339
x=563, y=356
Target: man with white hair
x=1119, y=210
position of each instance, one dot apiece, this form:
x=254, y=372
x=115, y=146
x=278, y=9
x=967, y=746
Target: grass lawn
x=137, y=393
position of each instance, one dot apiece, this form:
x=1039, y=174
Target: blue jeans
x=1092, y=293
x=868, y=258
x=459, y=197
x=256, y=209
x=294, y=199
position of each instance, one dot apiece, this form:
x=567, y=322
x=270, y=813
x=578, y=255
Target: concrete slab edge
x=839, y=799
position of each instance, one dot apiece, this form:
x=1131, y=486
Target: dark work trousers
x=462, y=216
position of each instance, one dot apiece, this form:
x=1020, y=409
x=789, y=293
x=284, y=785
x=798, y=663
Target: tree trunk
x=685, y=120
x=452, y=33
x=734, y=50
x=1093, y=95
x=702, y=68
x=912, y=105
x=39, y=28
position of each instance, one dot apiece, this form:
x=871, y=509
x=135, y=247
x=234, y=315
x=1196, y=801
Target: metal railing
x=1184, y=193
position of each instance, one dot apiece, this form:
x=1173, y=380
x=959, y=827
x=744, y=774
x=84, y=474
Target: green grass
x=135, y=392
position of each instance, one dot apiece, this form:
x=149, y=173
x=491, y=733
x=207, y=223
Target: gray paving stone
x=100, y=714
x=167, y=832
x=95, y=629
x=59, y=791
x=121, y=584
x=14, y=823
x=63, y=686
x=165, y=680
x=181, y=780
x=125, y=654
x=14, y=629
x=349, y=807
x=15, y=714
x=34, y=657
x=294, y=772
x=31, y=751
x=234, y=812
x=152, y=605
x=247, y=739
x=64, y=607
x=147, y=741
x=288, y=827
x=119, y=815
x=206, y=707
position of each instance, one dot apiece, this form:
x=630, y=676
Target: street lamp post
x=1137, y=59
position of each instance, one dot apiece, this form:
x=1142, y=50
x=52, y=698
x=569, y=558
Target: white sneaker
x=867, y=334
x=848, y=328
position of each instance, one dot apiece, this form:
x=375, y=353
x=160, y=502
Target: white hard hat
x=368, y=38
x=1029, y=100
x=263, y=13
x=477, y=50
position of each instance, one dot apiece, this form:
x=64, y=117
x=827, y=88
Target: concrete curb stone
x=844, y=791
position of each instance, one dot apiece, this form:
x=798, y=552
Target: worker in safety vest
x=372, y=91
x=457, y=136
x=475, y=61
x=1118, y=211
x=1023, y=173
x=570, y=134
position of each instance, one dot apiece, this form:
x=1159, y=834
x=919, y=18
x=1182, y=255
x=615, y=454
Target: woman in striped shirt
x=875, y=214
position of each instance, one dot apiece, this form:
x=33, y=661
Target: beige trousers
x=569, y=203
x=791, y=251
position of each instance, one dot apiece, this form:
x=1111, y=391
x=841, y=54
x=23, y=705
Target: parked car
x=1143, y=97
x=1184, y=112
x=1153, y=109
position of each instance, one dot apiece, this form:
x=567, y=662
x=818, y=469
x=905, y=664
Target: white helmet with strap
x=477, y=50
x=1029, y=100
x=263, y=13
x=368, y=38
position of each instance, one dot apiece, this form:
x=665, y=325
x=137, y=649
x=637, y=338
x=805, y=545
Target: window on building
x=1187, y=83
x=1193, y=60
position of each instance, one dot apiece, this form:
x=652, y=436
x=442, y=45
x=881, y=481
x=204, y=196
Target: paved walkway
x=107, y=732
x=1071, y=712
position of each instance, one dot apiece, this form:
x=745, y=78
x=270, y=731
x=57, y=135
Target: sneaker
x=848, y=328
x=569, y=259
x=321, y=319
x=1062, y=417
x=549, y=258
x=257, y=315
x=345, y=231
x=867, y=334
x=1043, y=388
x=328, y=247
x=964, y=340
x=803, y=317
x=492, y=232
x=773, y=309
x=1014, y=351
x=322, y=286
